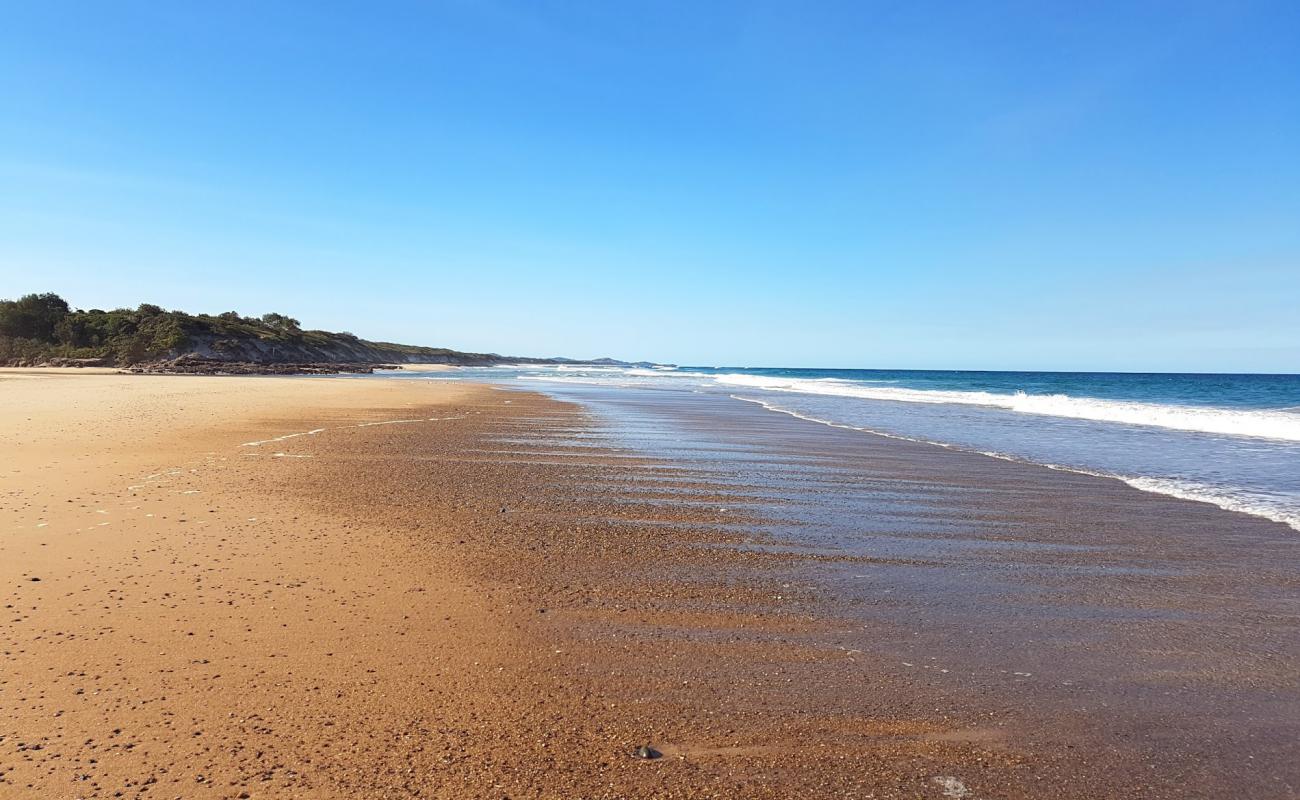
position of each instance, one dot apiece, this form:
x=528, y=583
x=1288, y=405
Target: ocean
x=1230, y=440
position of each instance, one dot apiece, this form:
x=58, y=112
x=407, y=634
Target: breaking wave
x=1283, y=425
x=1245, y=502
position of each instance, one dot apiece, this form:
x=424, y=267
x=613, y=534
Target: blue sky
x=956, y=185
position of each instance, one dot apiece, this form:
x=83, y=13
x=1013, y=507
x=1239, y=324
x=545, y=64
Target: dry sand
x=165, y=626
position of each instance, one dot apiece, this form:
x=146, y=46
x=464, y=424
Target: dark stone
x=647, y=752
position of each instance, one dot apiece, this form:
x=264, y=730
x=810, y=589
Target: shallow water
x=1077, y=614
x=1231, y=440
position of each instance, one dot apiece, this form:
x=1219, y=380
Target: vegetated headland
x=42, y=330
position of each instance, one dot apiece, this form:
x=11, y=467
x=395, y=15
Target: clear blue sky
x=970, y=185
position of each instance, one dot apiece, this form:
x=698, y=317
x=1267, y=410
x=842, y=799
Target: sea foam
x=1229, y=499
x=1281, y=425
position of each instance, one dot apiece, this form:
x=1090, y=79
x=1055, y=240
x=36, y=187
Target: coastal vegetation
x=43, y=328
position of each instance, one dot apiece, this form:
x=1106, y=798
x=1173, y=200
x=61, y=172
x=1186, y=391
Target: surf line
x=1150, y=484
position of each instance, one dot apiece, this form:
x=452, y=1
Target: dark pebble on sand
x=647, y=752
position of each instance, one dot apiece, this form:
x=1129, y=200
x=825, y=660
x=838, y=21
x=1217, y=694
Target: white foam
x=1188, y=490
x=1184, y=490
x=282, y=438
x=387, y=422
x=579, y=379
x=585, y=368
x=952, y=787
x=614, y=376
x=1268, y=424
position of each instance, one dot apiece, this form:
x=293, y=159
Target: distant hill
x=42, y=328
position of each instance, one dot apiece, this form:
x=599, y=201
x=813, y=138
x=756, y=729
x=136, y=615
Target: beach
x=355, y=588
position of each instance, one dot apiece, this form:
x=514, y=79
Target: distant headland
x=42, y=330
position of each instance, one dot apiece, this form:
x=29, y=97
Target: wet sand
x=457, y=591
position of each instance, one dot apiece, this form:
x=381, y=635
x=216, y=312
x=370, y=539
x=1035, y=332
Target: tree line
x=41, y=326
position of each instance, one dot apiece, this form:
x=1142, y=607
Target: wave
x=615, y=376
x=1230, y=500
x=1283, y=425
x=1223, y=498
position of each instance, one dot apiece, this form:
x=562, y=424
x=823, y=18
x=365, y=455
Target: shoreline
x=450, y=591
x=1234, y=443
x=1141, y=483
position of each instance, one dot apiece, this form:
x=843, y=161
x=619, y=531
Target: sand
x=155, y=607
x=427, y=367
x=359, y=588
x=333, y=612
